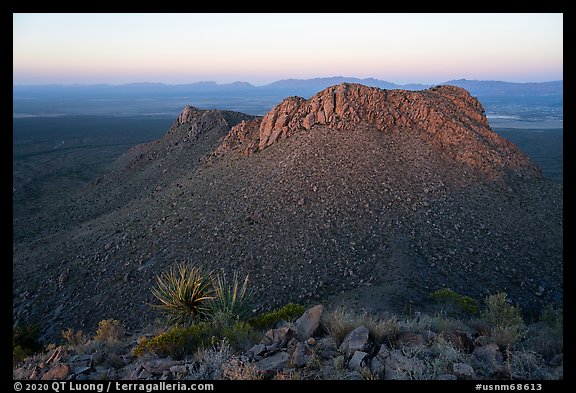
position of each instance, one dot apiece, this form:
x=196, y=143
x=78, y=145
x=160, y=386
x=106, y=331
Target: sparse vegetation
x=25, y=342
x=231, y=298
x=109, y=331
x=217, y=347
x=74, y=338
x=508, y=324
x=454, y=304
x=184, y=292
x=289, y=312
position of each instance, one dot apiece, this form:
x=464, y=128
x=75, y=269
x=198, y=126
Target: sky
x=262, y=48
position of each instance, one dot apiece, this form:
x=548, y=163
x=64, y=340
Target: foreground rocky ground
x=320, y=344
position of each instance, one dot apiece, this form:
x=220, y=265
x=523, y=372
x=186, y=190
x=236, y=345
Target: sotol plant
x=184, y=292
x=231, y=299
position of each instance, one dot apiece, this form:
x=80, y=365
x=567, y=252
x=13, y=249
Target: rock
x=158, y=366
x=557, y=360
x=80, y=370
x=59, y=372
x=327, y=347
x=300, y=355
x=256, y=352
x=180, y=370
x=410, y=339
x=463, y=371
x=145, y=374
x=357, y=360
x=356, y=340
x=308, y=323
x=272, y=364
x=55, y=355
x=377, y=367
x=281, y=335
x=397, y=365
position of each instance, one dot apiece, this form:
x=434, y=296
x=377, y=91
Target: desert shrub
x=212, y=361
x=455, y=304
x=419, y=323
x=240, y=335
x=74, y=338
x=527, y=365
x=177, y=341
x=289, y=312
x=553, y=318
x=231, y=299
x=25, y=342
x=544, y=339
x=508, y=325
x=109, y=330
x=238, y=370
x=184, y=292
x=443, y=324
x=184, y=340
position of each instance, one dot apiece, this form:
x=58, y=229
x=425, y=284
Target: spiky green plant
x=231, y=299
x=184, y=292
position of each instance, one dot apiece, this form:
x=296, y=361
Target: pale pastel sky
x=261, y=48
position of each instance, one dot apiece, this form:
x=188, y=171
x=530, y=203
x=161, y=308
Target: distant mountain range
x=308, y=87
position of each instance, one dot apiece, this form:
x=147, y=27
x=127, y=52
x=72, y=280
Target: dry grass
x=237, y=370
x=212, y=362
x=339, y=322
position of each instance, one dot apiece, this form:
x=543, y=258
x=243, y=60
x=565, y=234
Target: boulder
x=397, y=365
x=356, y=340
x=300, y=355
x=272, y=364
x=308, y=323
x=327, y=347
x=357, y=360
x=281, y=336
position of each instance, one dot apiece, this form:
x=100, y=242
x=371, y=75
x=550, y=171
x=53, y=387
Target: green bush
x=109, y=330
x=25, y=342
x=289, y=312
x=184, y=292
x=177, y=341
x=231, y=300
x=455, y=304
x=508, y=325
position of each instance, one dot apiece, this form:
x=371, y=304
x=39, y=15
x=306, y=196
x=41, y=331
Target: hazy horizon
x=220, y=83
x=263, y=48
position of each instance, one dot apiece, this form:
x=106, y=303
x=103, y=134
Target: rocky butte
x=357, y=196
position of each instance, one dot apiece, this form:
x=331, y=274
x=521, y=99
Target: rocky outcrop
x=188, y=114
x=448, y=117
